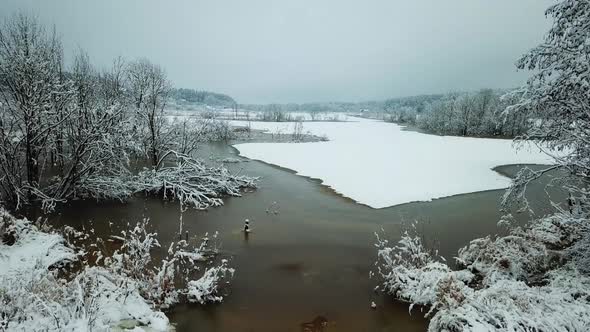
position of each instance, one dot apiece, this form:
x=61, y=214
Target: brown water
x=308, y=265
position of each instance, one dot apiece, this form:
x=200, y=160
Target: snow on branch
x=511, y=305
x=126, y=286
x=74, y=134
x=534, y=279
x=190, y=182
x=183, y=178
x=158, y=283
x=412, y=273
x=206, y=289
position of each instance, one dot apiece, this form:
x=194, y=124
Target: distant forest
x=189, y=96
x=482, y=113
x=479, y=113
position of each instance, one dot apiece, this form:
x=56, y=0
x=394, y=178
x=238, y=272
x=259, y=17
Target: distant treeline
x=479, y=113
x=329, y=107
x=312, y=108
x=183, y=96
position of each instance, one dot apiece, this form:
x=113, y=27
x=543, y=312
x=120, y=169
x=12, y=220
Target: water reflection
x=318, y=324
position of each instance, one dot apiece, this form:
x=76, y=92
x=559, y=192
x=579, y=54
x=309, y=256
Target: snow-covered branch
x=190, y=182
x=533, y=279
x=68, y=133
x=108, y=288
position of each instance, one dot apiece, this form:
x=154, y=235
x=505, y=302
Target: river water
x=308, y=258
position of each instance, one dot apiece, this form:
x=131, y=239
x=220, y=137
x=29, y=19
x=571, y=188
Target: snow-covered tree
x=150, y=89
x=557, y=95
x=72, y=133
x=112, y=84
x=33, y=98
x=535, y=278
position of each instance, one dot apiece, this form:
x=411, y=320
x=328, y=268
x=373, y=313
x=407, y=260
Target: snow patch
x=35, y=298
x=380, y=164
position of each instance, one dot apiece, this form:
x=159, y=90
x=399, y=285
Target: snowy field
x=380, y=165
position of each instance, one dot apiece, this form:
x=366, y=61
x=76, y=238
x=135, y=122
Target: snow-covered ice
x=380, y=164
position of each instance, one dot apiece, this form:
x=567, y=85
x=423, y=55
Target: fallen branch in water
x=192, y=183
x=185, y=179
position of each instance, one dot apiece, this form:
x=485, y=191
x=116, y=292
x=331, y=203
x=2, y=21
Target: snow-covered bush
x=187, y=133
x=528, y=280
x=579, y=253
x=412, y=273
x=37, y=296
x=510, y=305
x=206, y=289
x=167, y=283
x=125, y=286
x=536, y=278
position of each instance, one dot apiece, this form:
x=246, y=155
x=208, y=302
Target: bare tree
x=32, y=92
x=95, y=133
x=112, y=84
x=150, y=88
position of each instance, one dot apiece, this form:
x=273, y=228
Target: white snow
x=497, y=287
x=33, y=298
x=205, y=289
x=380, y=165
x=34, y=250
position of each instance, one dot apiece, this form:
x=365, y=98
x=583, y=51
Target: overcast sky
x=307, y=50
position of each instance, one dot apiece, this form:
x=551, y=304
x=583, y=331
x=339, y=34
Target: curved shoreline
x=498, y=169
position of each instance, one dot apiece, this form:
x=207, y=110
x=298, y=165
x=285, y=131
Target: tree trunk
x=154, y=150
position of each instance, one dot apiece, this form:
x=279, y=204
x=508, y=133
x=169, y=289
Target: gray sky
x=307, y=50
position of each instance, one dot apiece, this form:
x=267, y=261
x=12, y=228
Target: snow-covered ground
x=33, y=298
x=121, y=292
x=381, y=165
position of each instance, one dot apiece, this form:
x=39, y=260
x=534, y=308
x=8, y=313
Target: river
x=309, y=256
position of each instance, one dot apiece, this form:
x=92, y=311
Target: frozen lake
x=379, y=164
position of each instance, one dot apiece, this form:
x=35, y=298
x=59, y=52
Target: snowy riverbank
x=380, y=164
x=34, y=297
x=38, y=292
